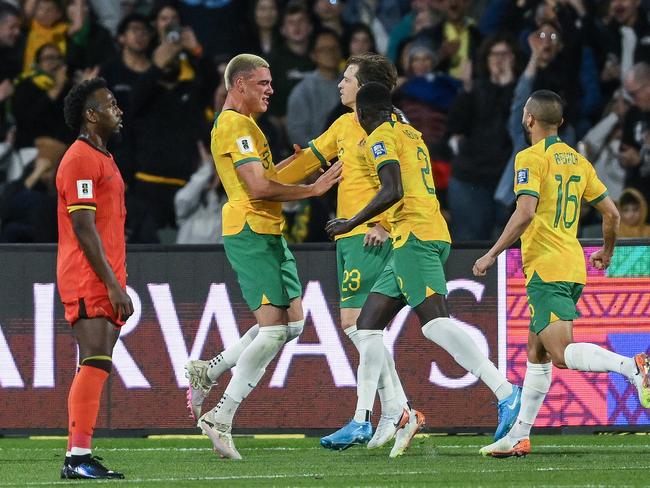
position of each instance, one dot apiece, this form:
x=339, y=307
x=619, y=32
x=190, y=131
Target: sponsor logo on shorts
x=378, y=149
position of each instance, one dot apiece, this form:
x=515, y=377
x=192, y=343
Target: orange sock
x=83, y=405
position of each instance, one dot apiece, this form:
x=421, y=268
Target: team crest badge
x=522, y=176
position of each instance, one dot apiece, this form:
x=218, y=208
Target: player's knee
x=104, y=363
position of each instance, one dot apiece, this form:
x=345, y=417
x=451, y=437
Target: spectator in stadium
x=47, y=25
x=380, y=15
x=328, y=16
x=634, y=213
x=109, y=13
x=358, y=40
x=635, y=146
x=91, y=45
x=456, y=38
x=424, y=14
x=264, y=35
x=312, y=100
x=38, y=105
x=134, y=35
x=198, y=204
x=10, y=60
x=290, y=61
x=28, y=205
x=602, y=143
x=480, y=142
x=167, y=121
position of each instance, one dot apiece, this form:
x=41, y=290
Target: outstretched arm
x=611, y=219
x=390, y=193
x=518, y=223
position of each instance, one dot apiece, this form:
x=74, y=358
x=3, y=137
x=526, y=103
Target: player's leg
x=359, y=267
x=554, y=309
x=96, y=338
x=421, y=266
x=203, y=375
x=537, y=382
x=378, y=311
x=257, y=260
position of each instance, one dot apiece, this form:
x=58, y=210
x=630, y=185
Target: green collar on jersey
x=551, y=140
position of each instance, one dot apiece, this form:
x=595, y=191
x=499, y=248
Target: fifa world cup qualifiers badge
x=522, y=176
x=378, y=149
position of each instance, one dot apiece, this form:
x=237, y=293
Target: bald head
x=546, y=107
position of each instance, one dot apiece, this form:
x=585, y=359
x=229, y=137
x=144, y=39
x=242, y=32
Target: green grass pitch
x=562, y=460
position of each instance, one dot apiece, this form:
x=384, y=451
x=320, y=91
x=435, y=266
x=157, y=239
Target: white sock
x=388, y=394
x=251, y=367
x=229, y=356
x=225, y=410
x=444, y=332
x=536, y=385
x=371, y=361
x=294, y=329
x=400, y=397
x=584, y=356
x=79, y=451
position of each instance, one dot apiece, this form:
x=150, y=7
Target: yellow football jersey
x=345, y=139
x=237, y=140
x=560, y=178
x=418, y=212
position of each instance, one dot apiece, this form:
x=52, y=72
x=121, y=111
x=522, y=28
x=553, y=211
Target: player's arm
x=83, y=224
x=297, y=167
x=261, y=188
x=518, y=223
x=611, y=220
x=391, y=192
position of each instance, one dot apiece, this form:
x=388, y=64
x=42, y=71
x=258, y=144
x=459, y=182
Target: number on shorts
x=351, y=280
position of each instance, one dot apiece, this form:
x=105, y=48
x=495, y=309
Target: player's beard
x=524, y=128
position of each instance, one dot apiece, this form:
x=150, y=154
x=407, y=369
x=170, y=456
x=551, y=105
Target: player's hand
x=600, y=259
x=375, y=236
x=336, y=227
x=121, y=302
x=327, y=180
x=482, y=264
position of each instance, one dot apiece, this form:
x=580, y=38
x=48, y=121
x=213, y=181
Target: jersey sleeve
x=234, y=136
x=595, y=190
x=528, y=174
x=381, y=146
x=78, y=183
x=324, y=147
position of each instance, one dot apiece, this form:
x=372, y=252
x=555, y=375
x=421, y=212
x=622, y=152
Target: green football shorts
x=551, y=301
x=266, y=269
x=358, y=268
x=415, y=271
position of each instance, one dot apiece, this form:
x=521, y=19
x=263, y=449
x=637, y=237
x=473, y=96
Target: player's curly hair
x=76, y=101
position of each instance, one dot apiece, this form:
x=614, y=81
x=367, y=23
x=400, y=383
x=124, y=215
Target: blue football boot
x=354, y=433
x=508, y=410
x=90, y=469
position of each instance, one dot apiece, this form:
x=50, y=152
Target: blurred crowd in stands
x=466, y=69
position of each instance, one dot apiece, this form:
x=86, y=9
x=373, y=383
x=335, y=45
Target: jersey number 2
x=564, y=198
x=426, y=170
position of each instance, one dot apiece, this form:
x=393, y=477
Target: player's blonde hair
x=242, y=64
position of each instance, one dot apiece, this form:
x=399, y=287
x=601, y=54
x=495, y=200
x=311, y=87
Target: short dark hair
x=323, y=31
x=296, y=7
x=39, y=51
x=374, y=98
x=547, y=107
x=7, y=10
x=629, y=198
x=76, y=101
x=123, y=26
x=374, y=68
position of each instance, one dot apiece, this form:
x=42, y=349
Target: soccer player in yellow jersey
x=414, y=275
x=252, y=220
x=551, y=179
